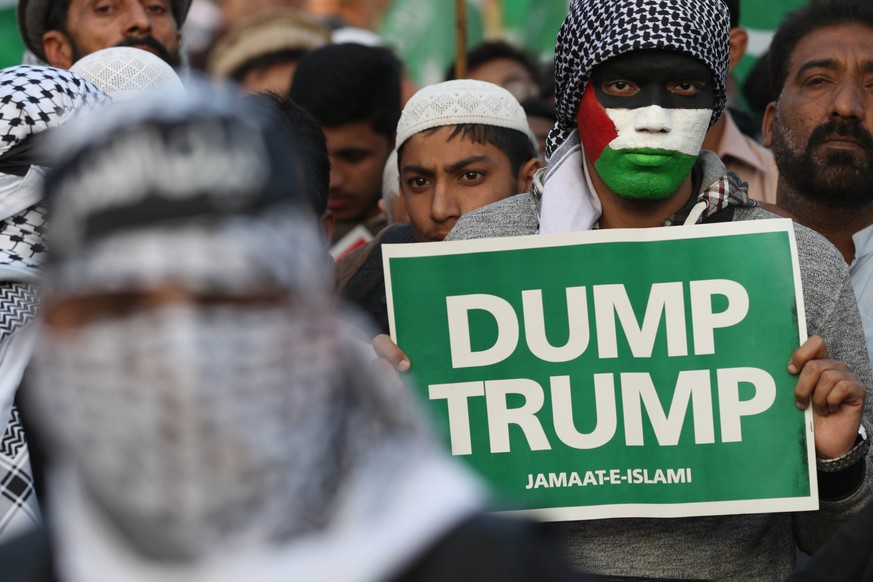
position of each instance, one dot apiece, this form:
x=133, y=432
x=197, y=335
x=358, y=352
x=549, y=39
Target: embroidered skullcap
x=197, y=189
x=595, y=31
x=458, y=102
x=265, y=34
x=126, y=73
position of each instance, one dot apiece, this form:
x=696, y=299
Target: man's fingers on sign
x=385, y=348
x=821, y=379
x=836, y=396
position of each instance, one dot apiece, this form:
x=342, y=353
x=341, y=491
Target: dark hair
x=540, y=108
x=266, y=61
x=56, y=17
x=488, y=51
x=345, y=83
x=516, y=145
x=757, y=88
x=797, y=24
x=291, y=119
x=734, y=8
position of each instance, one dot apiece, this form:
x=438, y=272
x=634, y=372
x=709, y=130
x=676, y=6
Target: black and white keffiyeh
x=219, y=439
x=597, y=30
x=33, y=99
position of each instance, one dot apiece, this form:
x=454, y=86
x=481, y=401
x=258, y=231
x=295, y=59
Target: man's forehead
x=79, y=4
x=832, y=44
x=656, y=64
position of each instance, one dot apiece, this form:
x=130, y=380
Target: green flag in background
x=11, y=47
x=534, y=24
x=423, y=34
x=760, y=19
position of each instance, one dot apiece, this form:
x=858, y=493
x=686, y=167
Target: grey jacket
x=736, y=547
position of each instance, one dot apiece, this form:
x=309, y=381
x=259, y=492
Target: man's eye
x=619, y=88
x=472, y=176
x=353, y=157
x=687, y=88
x=417, y=183
x=157, y=5
x=817, y=80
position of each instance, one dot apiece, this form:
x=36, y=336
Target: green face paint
x=643, y=174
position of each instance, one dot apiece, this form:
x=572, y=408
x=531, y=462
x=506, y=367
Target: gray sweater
x=734, y=547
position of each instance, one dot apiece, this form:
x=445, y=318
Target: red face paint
x=596, y=129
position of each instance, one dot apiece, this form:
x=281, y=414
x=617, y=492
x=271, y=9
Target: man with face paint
x=637, y=83
x=641, y=134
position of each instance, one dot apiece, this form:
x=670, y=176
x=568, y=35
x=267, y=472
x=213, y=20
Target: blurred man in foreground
x=210, y=419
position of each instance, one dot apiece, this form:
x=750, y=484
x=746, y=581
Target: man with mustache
x=60, y=32
x=821, y=134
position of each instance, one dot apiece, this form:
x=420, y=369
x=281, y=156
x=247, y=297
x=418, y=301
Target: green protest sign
x=614, y=373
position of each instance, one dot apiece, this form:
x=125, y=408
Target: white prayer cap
x=126, y=73
x=458, y=102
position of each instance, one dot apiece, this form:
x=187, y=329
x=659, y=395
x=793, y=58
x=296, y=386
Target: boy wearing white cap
x=461, y=145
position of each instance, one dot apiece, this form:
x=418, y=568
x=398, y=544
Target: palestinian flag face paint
x=642, y=120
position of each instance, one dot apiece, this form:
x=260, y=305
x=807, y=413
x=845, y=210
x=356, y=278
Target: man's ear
x=328, y=222
x=58, y=49
x=526, y=174
x=739, y=43
x=767, y=124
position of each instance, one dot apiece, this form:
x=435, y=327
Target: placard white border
x=698, y=231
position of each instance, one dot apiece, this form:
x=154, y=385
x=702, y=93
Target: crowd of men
x=196, y=381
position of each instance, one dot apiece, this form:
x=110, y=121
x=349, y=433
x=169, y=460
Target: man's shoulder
x=814, y=250
x=513, y=216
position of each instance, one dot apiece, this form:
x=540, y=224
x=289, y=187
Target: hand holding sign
x=386, y=349
x=836, y=395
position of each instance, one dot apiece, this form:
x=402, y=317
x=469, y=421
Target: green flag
x=11, y=46
x=534, y=24
x=423, y=34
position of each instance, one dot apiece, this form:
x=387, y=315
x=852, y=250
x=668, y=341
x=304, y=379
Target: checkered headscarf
x=35, y=98
x=32, y=100
x=598, y=30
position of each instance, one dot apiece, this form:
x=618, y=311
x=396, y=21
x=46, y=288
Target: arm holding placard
x=833, y=375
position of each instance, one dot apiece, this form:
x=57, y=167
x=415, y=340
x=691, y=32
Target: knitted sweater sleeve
x=832, y=313
x=513, y=216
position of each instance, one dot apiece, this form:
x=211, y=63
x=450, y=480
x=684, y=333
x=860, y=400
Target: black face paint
x=671, y=80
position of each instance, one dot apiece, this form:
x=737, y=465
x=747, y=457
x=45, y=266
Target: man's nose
x=848, y=101
x=444, y=205
x=653, y=118
x=137, y=19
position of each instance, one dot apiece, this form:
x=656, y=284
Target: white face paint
x=654, y=127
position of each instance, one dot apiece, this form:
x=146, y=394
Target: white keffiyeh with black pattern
x=33, y=99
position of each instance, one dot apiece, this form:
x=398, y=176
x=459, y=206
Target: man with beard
x=820, y=131
x=60, y=32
